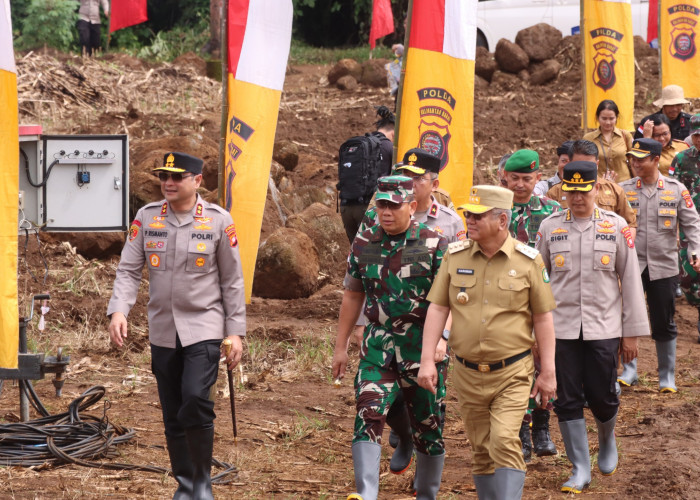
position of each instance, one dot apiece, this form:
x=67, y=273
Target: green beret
x=523, y=161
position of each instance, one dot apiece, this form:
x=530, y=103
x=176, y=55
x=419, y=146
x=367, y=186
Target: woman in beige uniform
x=613, y=143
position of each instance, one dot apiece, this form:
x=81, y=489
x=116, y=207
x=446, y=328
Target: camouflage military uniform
x=686, y=168
x=524, y=225
x=395, y=273
x=527, y=218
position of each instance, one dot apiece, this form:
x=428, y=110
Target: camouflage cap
x=485, y=198
x=394, y=188
x=523, y=161
x=419, y=161
x=180, y=162
x=695, y=124
x=641, y=148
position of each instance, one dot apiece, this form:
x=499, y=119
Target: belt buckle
x=484, y=368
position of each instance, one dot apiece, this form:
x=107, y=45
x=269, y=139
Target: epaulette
x=152, y=205
x=458, y=246
x=526, y=250
x=214, y=206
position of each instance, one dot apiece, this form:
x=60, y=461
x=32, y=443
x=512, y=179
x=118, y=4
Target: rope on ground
x=75, y=438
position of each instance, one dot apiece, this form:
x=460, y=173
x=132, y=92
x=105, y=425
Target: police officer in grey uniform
x=424, y=168
x=662, y=205
x=589, y=254
x=196, y=299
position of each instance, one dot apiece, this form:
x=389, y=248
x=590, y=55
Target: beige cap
x=670, y=95
x=485, y=198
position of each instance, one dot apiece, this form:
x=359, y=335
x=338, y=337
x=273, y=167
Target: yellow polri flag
x=259, y=35
x=679, y=22
x=437, y=101
x=9, y=193
x=608, y=59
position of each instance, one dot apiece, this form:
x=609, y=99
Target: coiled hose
x=75, y=438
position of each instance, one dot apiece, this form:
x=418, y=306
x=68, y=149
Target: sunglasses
x=386, y=204
x=176, y=177
x=476, y=217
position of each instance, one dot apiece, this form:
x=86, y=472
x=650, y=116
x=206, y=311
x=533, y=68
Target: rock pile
x=530, y=58
x=348, y=73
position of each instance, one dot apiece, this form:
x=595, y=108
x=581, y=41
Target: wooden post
x=224, y=105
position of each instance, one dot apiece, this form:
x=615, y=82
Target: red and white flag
x=259, y=36
x=437, y=100
x=382, y=21
x=127, y=13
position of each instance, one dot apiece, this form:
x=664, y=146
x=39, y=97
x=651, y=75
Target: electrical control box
x=73, y=182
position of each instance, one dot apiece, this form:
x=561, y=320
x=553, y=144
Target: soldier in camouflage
x=686, y=168
x=392, y=265
x=522, y=172
x=424, y=168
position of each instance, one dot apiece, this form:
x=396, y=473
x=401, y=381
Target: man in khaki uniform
x=610, y=195
x=497, y=290
x=196, y=298
x=589, y=253
x=662, y=205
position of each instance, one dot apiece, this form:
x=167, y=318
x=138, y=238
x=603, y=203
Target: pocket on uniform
x=462, y=284
x=666, y=223
x=513, y=292
x=156, y=259
x=604, y=256
x=200, y=256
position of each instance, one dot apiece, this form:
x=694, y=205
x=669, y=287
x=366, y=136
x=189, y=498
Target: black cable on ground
x=75, y=438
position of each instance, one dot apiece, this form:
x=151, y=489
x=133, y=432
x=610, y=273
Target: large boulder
x=286, y=153
x=510, y=57
x=295, y=199
x=505, y=81
x=485, y=65
x=325, y=228
x=287, y=266
x=345, y=67
x=374, y=73
x=539, y=42
x=541, y=73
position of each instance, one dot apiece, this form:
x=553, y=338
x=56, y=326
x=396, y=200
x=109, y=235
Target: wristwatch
x=446, y=335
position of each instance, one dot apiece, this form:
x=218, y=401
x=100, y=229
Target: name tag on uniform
x=465, y=271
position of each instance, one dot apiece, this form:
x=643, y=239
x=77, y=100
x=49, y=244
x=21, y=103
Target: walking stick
x=227, y=349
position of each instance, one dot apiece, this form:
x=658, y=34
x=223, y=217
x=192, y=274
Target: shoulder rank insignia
x=458, y=246
x=526, y=250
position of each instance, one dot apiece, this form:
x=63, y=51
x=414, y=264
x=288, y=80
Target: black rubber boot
x=400, y=423
x=541, y=441
x=525, y=440
x=181, y=465
x=200, y=443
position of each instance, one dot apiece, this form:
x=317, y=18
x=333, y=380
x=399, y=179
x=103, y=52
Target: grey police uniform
x=660, y=209
x=196, y=299
x=585, y=259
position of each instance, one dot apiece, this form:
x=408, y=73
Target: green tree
x=50, y=23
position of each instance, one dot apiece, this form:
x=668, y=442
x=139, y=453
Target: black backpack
x=358, y=168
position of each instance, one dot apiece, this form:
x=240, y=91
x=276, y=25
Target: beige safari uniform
x=584, y=265
x=195, y=278
x=658, y=216
x=669, y=153
x=610, y=197
x=494, y=324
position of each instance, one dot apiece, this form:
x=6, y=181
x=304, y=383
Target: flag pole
x=224, y=104
x=399, y=97
x=584, y=89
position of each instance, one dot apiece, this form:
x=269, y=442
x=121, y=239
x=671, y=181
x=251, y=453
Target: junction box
x=73, y=182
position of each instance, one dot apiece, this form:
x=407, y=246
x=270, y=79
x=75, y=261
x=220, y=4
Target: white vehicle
x=496, y=19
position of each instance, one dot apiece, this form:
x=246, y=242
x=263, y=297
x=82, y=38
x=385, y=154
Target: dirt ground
x=294, y=426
